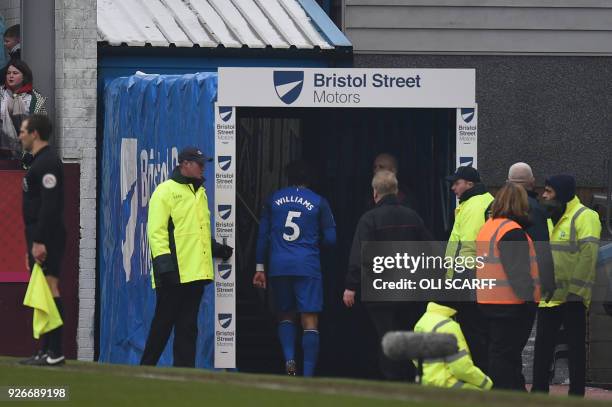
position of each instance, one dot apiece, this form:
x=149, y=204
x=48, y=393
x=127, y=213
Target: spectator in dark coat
x=388, y=221
x=520, y=173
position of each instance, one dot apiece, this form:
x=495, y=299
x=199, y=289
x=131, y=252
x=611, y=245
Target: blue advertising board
x=148, y=119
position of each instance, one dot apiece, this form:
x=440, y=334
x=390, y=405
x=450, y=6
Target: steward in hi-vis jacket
x=574, y=240
x=182, y=250
x=470, y=216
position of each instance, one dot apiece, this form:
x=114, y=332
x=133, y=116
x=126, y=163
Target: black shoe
x=53, y=359
x=34, y=360
x=291, y=367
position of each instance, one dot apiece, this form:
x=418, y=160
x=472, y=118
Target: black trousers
x=509, y=329
x=177, y=307
x=572, y=315
x=394, y=316
x=474, y=327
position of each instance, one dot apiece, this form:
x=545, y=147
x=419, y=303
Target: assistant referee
x=43, y=209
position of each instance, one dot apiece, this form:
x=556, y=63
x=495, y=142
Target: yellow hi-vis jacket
x=456, y=371
x=574, y=242
x=179, y=231
x=469, y=219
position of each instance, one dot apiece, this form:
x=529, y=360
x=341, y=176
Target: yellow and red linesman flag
x=38, y=296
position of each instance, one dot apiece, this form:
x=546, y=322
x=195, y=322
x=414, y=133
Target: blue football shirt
x=294, y=222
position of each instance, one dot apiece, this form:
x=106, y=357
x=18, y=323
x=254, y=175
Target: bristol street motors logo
x=225, y=112
x=224, y=270
x=224, y=320
x=224, y=162
x=224, y=211
x=467, y=114
x=466, y=161
x=288, y=85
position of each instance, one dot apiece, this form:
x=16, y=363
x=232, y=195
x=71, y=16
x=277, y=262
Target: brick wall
x=76, y=73
x=11, y=11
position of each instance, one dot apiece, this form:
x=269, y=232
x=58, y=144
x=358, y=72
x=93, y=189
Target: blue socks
x=310, y=345
x=286, y=334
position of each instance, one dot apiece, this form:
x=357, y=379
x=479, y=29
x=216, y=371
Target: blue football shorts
x=297, y=293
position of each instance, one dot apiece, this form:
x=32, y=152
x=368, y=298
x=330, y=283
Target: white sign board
x=349, y=87
x=225, y=232
x=317, y=87
x=467, y=137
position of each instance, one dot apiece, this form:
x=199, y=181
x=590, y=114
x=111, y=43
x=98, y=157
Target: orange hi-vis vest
x=487, y=248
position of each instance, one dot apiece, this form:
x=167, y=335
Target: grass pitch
x=93, y=384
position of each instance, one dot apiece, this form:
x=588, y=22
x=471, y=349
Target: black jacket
x=538, y=231
x=388, y=221
x=43, y=198
x=514, y=255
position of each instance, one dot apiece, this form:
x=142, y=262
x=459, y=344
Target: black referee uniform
x=43, y=217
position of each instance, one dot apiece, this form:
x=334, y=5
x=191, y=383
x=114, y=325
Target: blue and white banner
x=148, y=119
x=225, y=231
x=467, y=137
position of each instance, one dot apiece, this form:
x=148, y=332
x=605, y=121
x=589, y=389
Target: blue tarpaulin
x=148, y=119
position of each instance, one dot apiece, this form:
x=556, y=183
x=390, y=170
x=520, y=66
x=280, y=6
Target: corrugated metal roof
x=208, y=23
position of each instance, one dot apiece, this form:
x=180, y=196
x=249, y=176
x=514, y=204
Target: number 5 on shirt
x=295, y=229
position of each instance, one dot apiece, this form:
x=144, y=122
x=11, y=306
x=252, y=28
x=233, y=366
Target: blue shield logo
x=224, y=211
x=224, y=320
x=225, y=112
x=288, y=85
x=224, y=162
x=467, y=114
x=224, y=270
x=466, y=161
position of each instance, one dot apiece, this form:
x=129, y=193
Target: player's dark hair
x=298, y=173
x=41, y=124
x=13, y=31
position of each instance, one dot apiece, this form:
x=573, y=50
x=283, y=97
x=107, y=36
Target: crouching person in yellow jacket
x=456, y=371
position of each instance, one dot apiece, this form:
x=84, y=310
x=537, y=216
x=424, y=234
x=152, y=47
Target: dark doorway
x=341, y=144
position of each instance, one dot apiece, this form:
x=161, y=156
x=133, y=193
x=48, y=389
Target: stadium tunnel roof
x=256, y=24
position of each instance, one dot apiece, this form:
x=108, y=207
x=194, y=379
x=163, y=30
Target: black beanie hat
x=564, y=186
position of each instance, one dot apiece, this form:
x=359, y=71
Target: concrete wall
x=552, y=112
x=76, y=73
x=578, y=27
x=11, y=11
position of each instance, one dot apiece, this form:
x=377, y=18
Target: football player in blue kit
x=295, y=221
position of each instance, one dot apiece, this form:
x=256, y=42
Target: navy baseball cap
x=465, y=172
x=193, y=154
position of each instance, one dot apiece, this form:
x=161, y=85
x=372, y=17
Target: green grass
x=92, y=384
